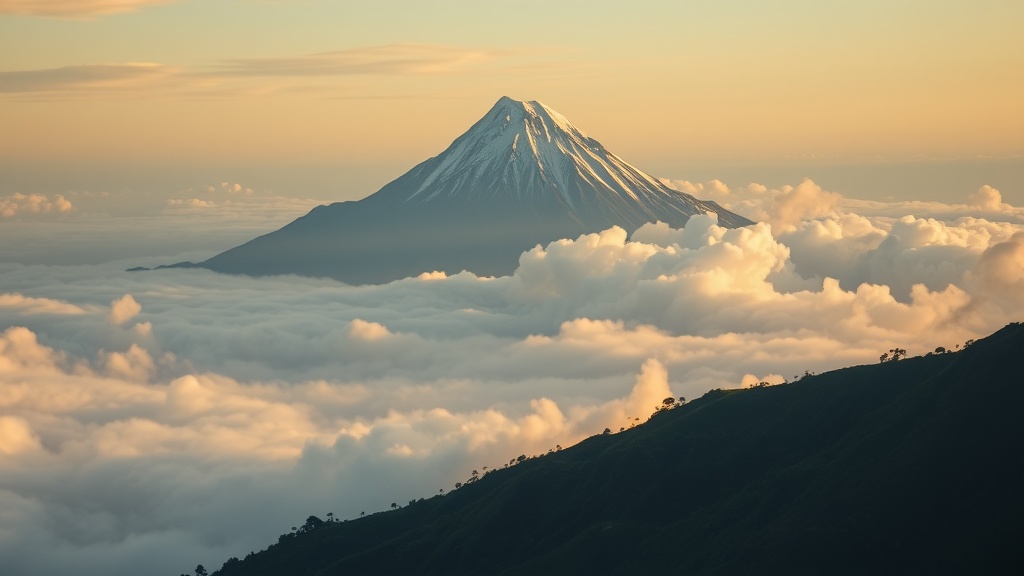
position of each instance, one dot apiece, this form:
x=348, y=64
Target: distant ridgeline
x=522, y=175
x=913, y=466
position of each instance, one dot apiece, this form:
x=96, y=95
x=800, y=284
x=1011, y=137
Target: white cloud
x=16, y=436
x=788, y=206
x=20, y=351
x=29, y=305
x=134, y=364
x=124, y=309
x=29, y=205
x=232, y=188
x=191, y=203
x=782, y=208
x=988, y=199
x=363, y=330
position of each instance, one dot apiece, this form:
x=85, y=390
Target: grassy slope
x=914, y=466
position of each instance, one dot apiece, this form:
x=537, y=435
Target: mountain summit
x=526, y=152
x=522, y=175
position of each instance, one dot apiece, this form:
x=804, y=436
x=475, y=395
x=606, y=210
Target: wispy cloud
x=73, y=8
x=393, y=59
x=84, y=78
x=248, y=75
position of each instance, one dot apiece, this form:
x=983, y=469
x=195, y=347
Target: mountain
x=522, y=175
x=905, y=467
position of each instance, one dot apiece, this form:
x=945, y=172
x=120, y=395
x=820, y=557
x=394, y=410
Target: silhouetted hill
x=907, y=467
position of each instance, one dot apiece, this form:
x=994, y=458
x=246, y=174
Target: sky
x=334, y=98
x=153, y=421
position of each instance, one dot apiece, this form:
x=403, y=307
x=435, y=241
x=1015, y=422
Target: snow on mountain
x=526, y=152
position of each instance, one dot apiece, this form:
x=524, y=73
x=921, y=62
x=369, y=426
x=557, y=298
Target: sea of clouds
x=150, y=421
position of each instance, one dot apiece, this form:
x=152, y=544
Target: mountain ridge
x=909, y=466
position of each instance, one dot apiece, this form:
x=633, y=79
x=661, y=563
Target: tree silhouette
x=312, y=523
x=200, y=571
x=893, y=355
x=394, y=506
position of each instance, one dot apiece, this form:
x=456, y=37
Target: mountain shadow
x=913, y=466
x=523, y=175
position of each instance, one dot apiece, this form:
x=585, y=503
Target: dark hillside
x=915, y=466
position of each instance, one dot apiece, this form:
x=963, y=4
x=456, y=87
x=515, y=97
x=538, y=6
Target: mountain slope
x=914, y=466
x=522, y=175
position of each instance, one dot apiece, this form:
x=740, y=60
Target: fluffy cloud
x=129, y=445
x=19, y=302
x=782, y=208
x=191, y=203
x=20, y=351
x=124, y=309
x=231, y=188
x=19, y=204
x=988, y=199
x=998, y=277
x=16, y=436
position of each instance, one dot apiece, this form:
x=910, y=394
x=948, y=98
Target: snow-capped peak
x=524, y=151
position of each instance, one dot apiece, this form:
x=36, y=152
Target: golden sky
x=114, y=84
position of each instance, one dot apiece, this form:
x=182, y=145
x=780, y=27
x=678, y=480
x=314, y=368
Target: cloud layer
x=176, y=417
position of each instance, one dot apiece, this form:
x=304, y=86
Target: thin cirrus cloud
x=393, y=60
x=74, y=8
x=84, y=78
